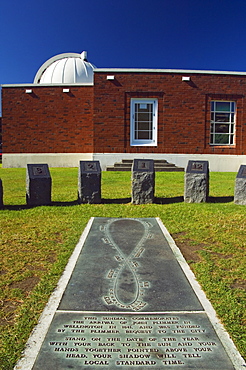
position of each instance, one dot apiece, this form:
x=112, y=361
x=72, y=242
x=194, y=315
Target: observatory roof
x=67, y=68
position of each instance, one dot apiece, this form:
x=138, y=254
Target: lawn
x=37, y=242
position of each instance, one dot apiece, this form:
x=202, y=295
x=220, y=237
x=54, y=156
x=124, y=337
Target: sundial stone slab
x=124, y=261
x=38, y=184
x=89, y=182
x=129, y=303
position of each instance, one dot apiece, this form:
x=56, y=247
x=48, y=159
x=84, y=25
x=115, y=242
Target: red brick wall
x=48, y=120
x=183, y=111
x=51, y=121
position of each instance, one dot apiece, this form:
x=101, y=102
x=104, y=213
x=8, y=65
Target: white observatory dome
x=67, y=68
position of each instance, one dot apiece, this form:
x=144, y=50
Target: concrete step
x=161, y=165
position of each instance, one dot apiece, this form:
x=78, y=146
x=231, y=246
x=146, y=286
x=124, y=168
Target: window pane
x=144, y=135
x=143, y=117
x=221, y=128
x=221, y=139
x=222, y=106
x=222, y=117
x=144, y=126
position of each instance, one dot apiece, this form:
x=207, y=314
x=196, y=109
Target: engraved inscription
x=132, y=341
x=90, y=167
x=39, y=171
x=143, y=165
x=126, y=289
x=197, y=166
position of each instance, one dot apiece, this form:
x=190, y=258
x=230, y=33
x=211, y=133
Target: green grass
x=37, y=242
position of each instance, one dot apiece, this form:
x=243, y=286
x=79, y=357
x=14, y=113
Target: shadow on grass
x=116, y=201
x=221, y=199
x=25, y=206
x=171, y=200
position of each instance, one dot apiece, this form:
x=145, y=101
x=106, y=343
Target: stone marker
x=196, y=182
x=143, y=181
x=1, y=193
x=129, y=302
x=89, y=182
x=38, y=185
x=240, y=186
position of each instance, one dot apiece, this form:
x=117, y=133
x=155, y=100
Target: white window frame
x=143, y=142
x=230, y=123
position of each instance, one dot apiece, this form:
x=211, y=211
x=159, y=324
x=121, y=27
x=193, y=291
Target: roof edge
x=185, y=71
x=48, y=85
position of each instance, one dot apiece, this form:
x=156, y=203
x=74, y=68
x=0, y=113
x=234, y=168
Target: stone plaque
x=145, y=165
x=118, y=341
x=89, y=182
x=240, y=186
x=128, y=304
x=40, y=171
x=143, y=181
x=196, y=189
x=38, y=185
x=197, y=167
x=242, y=172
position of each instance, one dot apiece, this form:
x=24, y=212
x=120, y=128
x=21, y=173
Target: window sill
x=143, y=144
x=223, y=146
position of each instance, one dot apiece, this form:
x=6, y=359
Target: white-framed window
x=144, y=122
x=223, y=119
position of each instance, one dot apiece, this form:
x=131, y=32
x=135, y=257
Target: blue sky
x=188, y=34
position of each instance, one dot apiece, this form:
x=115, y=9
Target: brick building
x=74, y=111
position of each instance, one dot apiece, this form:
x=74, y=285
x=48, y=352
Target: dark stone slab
x=240, y=186
x=127, y=265
x=118, y=341
x=143, y=181
x=38, y=185
x=89, y=182
x=196, y=189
